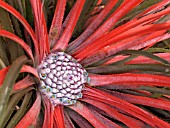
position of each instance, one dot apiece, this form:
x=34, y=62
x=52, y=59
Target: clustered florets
x=61, y=78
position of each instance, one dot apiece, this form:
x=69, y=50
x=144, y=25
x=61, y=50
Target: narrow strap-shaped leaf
x=139, y=59
x=87, y=114
x=25, y=68
x=93, y=26
x=138, y=44
x=22, y=109
x=129, y=79
x=76, y=117
x=129, y=68
x=19, y=41
x=138, y=41
x=125, y=106
x=110, y=39
x=129, y=25
x=154, y=8
x=13, y=103
x=59, y=116
x=30, y=69
x=151, y=102
x=68, y=121
x=148, y=44
x=31, y=115
x=147, y=57
x=24, y=23
x=3, y=73
x=66, y=35
x=57, y=22
x=146, y=54
x=41, y=28
x=8, y=83
x=123, y=9
x=24, y=83
x=48, y=114
x=115, y=114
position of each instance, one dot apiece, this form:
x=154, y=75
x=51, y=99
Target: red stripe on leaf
x=57, y=22
x=3, y=73
x=87, y=114
x=130, y=43
x=112, y=36
x=59, y=116
x=125, y=106
x=48, y=114
x=140, y=59
x=110, y=111
x=31, y=115
x=123, y=9
x=30, y=69
x=24, y=83
x=151, y=102
x=110, y=39
x=93, y=26
x=40, y=28
x=129, y=79
x=66, y=35
x=156, y=7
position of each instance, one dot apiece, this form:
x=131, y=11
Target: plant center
x=61, y=78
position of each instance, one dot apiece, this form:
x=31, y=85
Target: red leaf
x=59, y=116
x=66, y=35
x=151, y=102
x=151, y=42
x=140, y=59
x=68, y=121
x=3, y=73
x=78, y=119
x=19, y=41
x=87, y=114
x=119, y=33
x=40, y=28
x=30, y=69
x=31, y=115
x=24, y=83
x=156, y=7
x=110, y=111
x=127, y=79
x=48, y=114
x=131, y=43
x=125, y=106
x=110, y=39
x=123, y=9
x=93, y=26
x=56, y=25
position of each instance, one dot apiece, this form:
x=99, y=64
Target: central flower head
x=61, y=78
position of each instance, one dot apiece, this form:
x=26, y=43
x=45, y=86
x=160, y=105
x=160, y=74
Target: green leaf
x=89, y=5
x=143, y=6
x=146, y=54
x=129, y=68
x=15, y=98
x=14, y=49
x=8, y=85
x=3, y=54
x=22, y=110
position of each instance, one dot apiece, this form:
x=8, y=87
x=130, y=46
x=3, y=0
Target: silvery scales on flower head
x=61, y=78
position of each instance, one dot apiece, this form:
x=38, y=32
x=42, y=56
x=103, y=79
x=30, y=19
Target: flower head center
x=61, y=78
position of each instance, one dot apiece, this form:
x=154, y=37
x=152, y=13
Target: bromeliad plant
x=95, y=65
